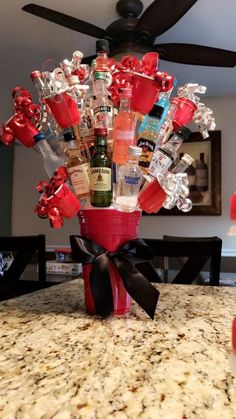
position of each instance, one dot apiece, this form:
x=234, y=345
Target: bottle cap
x=102, y=45
x=35, y=74
x=78, y=55
x=68, y=136
x=134, y=150
x=126, y=92
x=156, y=111
x=40, y=136
x=100, y=132
x=187, y=159
x=184, y=133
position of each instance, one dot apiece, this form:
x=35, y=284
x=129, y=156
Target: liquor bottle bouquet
x=109, y=136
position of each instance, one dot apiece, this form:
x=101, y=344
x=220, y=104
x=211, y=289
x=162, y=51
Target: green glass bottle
x=100, y=171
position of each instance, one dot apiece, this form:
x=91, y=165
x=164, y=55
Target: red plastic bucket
x=109, y=228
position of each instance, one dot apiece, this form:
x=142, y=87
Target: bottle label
x=102, y=109
x=86, y=126
x=202, y=178
x=160, y=163
x=100, y=179
x=148, y=147
x=132, y=180
x=103, y=116
x=79, y=176
x=124, y=135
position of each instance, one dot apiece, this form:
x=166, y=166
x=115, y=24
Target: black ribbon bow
x=127, y=260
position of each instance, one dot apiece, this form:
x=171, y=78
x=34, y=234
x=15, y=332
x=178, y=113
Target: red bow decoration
x=21, y=125
x=122, y=75
x=56, y=200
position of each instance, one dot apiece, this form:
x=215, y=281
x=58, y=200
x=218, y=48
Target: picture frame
x=205, y=191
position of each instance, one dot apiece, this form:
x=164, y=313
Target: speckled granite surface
x=57, y=362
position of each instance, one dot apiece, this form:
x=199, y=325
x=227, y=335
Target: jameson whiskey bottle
x=78, y=168
x=100, y=171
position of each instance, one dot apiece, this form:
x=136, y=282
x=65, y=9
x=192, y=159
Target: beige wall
x=28, y=170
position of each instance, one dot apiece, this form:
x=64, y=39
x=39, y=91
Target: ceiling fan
x=137, y=35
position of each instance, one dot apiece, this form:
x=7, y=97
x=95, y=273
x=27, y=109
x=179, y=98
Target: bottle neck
x=124, y=104
x=101, y=60
x=174, y=142
x=44, y=148
x=202, y=157
x=180, y=167
x=133, y=159
x=100, y=88
x=100, y=144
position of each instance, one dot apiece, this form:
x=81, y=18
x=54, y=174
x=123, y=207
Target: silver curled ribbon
x=204, y=119
x=176, y=187
x=54, y=83
x=189, y=91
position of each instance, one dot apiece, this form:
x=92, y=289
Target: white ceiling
x=27, y=41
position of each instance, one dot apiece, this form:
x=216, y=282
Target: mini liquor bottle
x=103, y=107
x=124, y=129
x=78, y=169
x=100, y=171
x=129, y=182
x=147, y=136
x=51, y=160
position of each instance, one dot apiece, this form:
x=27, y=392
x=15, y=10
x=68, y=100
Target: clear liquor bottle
x=51, y=160
x=103, y=107
x=165, y=155
x=129, y=182
x=185, y=161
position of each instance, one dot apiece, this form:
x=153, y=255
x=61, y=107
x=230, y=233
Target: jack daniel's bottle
x=78, y=168
x=101, y=171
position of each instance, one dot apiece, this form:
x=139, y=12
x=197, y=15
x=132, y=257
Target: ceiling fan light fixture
x=129, y=48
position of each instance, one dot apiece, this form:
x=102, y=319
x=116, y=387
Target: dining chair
x=193, y=253
x=23, y=250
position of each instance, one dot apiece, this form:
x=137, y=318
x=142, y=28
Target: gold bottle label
x=79, y=176
x=100, y=179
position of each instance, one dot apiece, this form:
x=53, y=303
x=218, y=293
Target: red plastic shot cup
x=64, y=109
x=185, y=109
x=23, y=129
x=144, y=93
x=109, y=228
x=151, y=198
x=65, y=201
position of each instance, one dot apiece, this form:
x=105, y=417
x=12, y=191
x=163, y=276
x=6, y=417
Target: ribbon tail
x=148, y=270
x=100, y=285
x=138, y=287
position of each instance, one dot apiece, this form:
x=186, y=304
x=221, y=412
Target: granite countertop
x=57, y=362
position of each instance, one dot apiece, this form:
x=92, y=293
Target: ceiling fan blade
x=65, y=20
x=196, y=54
x=161, y=15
